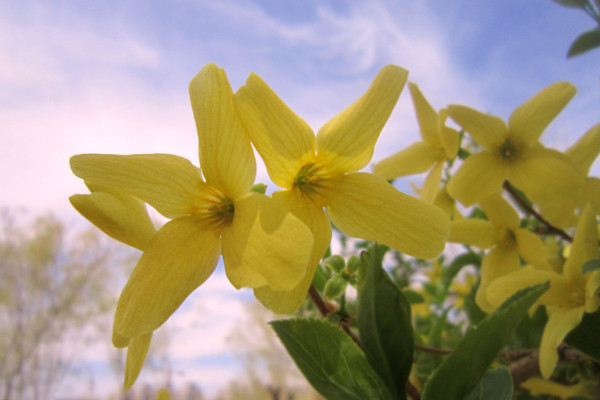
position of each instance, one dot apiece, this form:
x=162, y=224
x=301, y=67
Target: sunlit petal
x=179, y=258
x=283, y=139
x=346, y=142
x=168, y=183
x=432, y=183
x=487, y=130
x=528, y=121
x=226, y=156
x=414, y=159
x=426, y=115
x=367, y=207
x=500, y=261
x=473, y=232
x=561, y=322
x=136, y=355
x=267, y=240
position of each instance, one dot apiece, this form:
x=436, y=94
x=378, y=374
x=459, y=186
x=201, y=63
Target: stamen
x=508, y=150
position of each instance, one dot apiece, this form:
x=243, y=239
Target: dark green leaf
x=590, y=266
x=585, y=42
x=572, y=3
x=479, y=347
x=585, y=337
x=413, y=297
x=496, y=384
x=385, y=328
x=470, y=258
x=330, y=360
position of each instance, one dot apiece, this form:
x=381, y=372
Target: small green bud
x=336, y=263
x=259, y=188
x=335, y=287
x=353, y=264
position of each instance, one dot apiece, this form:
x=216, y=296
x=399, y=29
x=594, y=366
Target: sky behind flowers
x=112, y=76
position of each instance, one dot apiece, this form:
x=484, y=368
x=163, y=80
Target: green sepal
x=335, y=263
x=334, y=287
x=496, y=384
x=332, y=363
x=592, y=265
x=385, y=328
x=479, y=348
x=585, y=42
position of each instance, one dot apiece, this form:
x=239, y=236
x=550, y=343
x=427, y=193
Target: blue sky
x=112, y=76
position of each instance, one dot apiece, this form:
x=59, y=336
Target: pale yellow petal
x=505, y=286
x=426, y=115
x=473, y=232
x=120, y=216
x=545, y=175
x=168, y=183
x=500, y=261
x=500, y=212
x=531, y=248
x=365, y=206
x=346, y=142
x=179, y=258
x=432, y=183
x=486, y=130
x=448, y=136
x=585, y=245
x=284, y=141
x=529, y=120
x=584, y=152
x=136, y=355
x=480, y=176
x=414, y=159
x=561, y=322
x=226, y=156
x=287, y=302
x=265, y=240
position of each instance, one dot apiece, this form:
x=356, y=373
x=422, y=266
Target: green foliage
x=585, y=337
x=496, y=385
x=585, y=42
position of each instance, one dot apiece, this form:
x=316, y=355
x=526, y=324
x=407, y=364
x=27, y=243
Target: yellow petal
x=591, y=193
x=473, y=232
x=545, y=175
x=487, y=130
x=448, y=136
x=560, y=213
x=592, y=296
x=287, y=302
x=163, y=394
x=136, y=355
x=500, y=212
x=426, y=115
x=529, y=120
x=120, y=216
x=584, y=152
x=536, y=385
x=432, y=183
x=179, y=258
x=500, y=261
x=284, y=141
x=118, y=340
x=226, y=156
x=585, y=245
x=505, y=286
x=561, y=322
x=416, y=158
x=480, y=176
x=531, y=248
x=365, y=206
x=168, y=183
x=346, y=142
x=265, y=245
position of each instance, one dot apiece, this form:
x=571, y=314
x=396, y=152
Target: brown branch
x=324, y=310
x=549, y=228
x=525, y=368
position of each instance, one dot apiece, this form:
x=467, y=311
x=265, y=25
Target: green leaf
x=590, y=266
x=585, y=42
x=448, y=274
x=330, y=360
x=385, y=328
x=479, y=347
x=413, y=297
x=585, y=337
x=496, y=384
x=571, y=3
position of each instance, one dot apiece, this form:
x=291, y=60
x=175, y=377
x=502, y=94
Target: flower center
x=215, y=209
x=311, y=180
x=507, y=238
x=508, y=150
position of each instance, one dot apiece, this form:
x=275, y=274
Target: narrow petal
x=287, y=302
x=487, y=130
x=120, y=216
x=500, y=261
x=537, y=385
x=500, y=212
x=503, y=287
x=585, y=245
x=592, y=296
x=426, y=115
x=545, y=175
x=473, y=232
x=432, y=183
x=448, y=136
x=416, y=158
x=584, y=152
x=531, y=248
x=480, y=176
x=284, y=140
x=136, y=355
x=163, y=394
x=346, y=142
x=591, y=193
x=226, y=156
x=366, y=206
x=168, y=183
x=561, y=322
x=179, y=258
x=531, y=118
x=267, y=241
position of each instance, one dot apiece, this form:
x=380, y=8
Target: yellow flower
x=513, y=152
x=507, y=240
x=439, y=144
x=320, y=171
x=537, y=386
x=261, y=242
x=571, y=294
x=163, y=394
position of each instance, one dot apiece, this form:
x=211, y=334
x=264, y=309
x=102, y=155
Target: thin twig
x=318, y=301
x=525, y=368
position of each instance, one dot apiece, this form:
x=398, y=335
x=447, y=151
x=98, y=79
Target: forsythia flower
x=507, y=240
x=439, y=144
x=537, y=386
x=513, y=152
x=261, y=242
x=321, y=172
x=571, y=294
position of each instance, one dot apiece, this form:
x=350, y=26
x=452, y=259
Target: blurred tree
x=52, y=283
